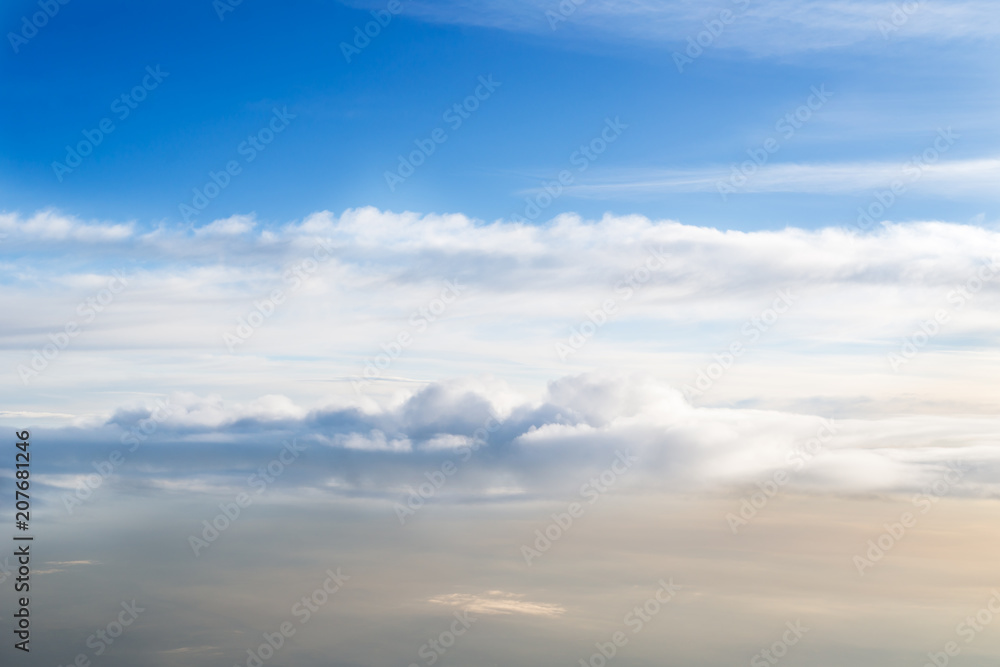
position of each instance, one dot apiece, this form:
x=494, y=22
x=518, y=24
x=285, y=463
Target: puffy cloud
x=50, y=225
x=545, y=447
x=373, y=303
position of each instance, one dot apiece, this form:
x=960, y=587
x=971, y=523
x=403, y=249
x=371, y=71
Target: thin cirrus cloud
x=767, y=28
x=974, y=177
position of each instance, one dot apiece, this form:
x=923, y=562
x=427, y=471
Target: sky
x=613, y=332
x=893, y=81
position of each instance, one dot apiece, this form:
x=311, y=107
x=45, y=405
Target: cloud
x=232, y=226
x=50, y=225
x=402, y=301
x=541, y=448
x=498, y=602
x=764, y=28
x=948, y=178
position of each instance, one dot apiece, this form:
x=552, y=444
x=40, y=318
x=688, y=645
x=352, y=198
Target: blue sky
x=890, y=95
x=637, y=239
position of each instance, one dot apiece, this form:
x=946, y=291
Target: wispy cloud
x=976, y=177
x=498, y=602
x=768, y=27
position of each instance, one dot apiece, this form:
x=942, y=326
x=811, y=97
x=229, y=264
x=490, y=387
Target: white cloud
x=50, y=225
x=762, y=27
x=950, y=178
x=547, y=446
x=498, y=602
x=232, y=226
x=525, y=288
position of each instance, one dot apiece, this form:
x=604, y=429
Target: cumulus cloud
x=50, y=225
x=365, y=307
x=547, y=447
